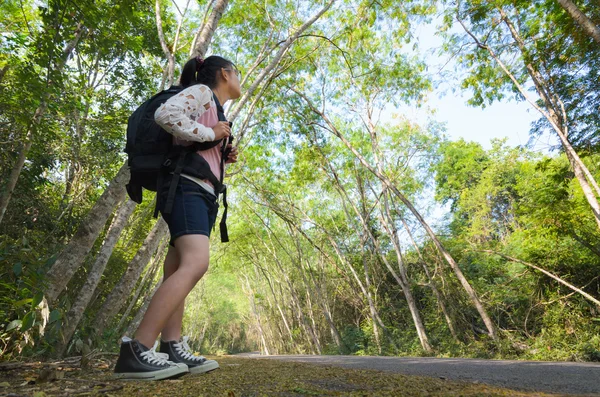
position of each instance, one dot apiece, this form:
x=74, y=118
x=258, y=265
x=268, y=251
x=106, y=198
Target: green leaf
x=28, y=321
x=22, y=302
x=18, y=268
x=79, y=345
x=37, y=299
x=55, y=315
x=13, y=324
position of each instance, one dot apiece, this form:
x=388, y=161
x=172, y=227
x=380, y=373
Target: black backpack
x=152, y=156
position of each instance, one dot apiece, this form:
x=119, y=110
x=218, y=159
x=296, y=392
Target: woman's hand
x=222, y=130
x=233, y=154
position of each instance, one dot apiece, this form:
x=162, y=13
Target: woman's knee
x=194, y=254
x=194, y=269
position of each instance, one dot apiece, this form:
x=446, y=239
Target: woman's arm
x=179, y=113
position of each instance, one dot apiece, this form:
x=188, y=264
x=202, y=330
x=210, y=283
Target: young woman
x=190, y=116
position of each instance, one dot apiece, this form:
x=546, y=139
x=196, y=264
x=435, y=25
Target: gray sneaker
x=180, y=352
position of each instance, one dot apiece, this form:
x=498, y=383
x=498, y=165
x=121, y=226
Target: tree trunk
x=363, y=215
x=202, y=333
x=372, y=308
x=3, y=72
x=170, y=69
x=72, y=175
x=243, y=127
x=134, y=324
x=37, y=118
x=118, y=295
x=335, y=334
x=326, y=312
x=257, y=317
x=315, y=330
x=432, y=284
x=146, y=279
x=83, y=299
x=311, y=338
x=6, y=194
x=388, y=224
x=308, y=329
x=366, y=294
x=270, y=330
x=579, y=17
x=169, y=73
x=279, y=309
x=73, y=255
x=284, y=215
x=205, y=35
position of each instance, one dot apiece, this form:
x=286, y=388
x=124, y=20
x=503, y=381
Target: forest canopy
x=352, y=232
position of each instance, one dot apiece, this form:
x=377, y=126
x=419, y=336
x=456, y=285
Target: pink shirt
x=212, y=155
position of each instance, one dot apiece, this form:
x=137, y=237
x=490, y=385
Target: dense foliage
x=335, y=246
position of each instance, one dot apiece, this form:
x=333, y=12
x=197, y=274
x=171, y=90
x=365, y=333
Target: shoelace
x=154, y=357
x=185, y=351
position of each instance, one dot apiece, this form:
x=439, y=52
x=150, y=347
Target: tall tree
x=146, y=280
x=438, y=243
x=84, y=296
x=73, y=255
x=205, y=34
x=54, y=69
x=556, y=109
x=118, y=295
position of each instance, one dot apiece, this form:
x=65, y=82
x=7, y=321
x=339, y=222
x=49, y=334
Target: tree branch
x=546, y=272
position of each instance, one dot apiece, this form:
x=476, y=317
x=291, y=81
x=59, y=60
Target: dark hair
x=203, y=72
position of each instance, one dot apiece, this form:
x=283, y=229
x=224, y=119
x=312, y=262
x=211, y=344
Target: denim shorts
x=194, y=210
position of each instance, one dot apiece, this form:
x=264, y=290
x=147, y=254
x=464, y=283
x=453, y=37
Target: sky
x=503, y=119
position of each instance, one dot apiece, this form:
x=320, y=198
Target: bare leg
x=172, y=329
x=193, y=252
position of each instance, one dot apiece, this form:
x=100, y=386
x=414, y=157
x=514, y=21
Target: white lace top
x=189, y=116
x=179, y=114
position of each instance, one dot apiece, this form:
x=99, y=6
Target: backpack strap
x=175, y=181
x=178, y=153
x=223, y=224
x=223, y=190
x=159, y=184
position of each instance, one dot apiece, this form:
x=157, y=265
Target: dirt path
x=551, y=377
x=238, y=376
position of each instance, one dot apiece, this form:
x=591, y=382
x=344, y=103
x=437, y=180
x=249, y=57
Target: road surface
x=550, y=377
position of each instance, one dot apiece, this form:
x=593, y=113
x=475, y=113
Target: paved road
x=551, y=377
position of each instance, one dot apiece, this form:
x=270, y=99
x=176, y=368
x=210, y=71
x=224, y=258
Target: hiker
x=187, y=201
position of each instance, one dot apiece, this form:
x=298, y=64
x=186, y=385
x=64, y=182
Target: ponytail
x=203, y=71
